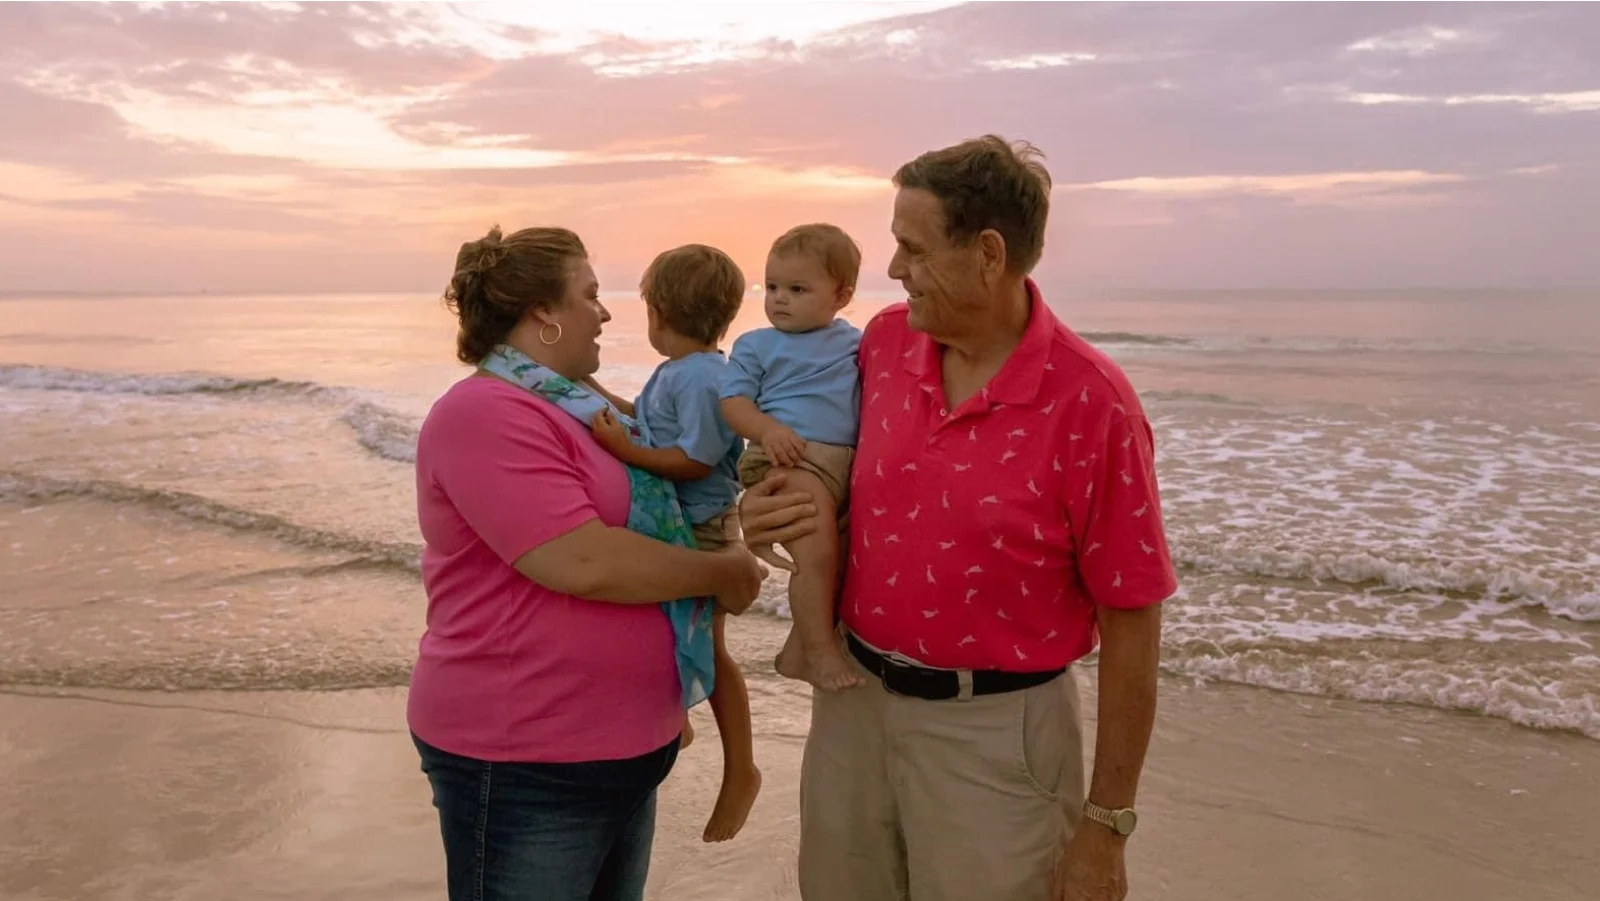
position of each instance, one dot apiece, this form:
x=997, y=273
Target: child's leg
x=741, y=780
x=812, y=652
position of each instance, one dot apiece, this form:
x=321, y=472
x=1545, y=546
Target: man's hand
x=610, y=433
x=769, y=518
x=1091, y=867
x=783, y=445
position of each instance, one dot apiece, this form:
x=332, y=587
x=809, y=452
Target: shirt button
x=943, y=412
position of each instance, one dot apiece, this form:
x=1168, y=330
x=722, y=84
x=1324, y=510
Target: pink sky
x=274, y=147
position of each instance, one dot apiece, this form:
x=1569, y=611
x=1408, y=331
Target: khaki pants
x=719, y=531
x=902, y=798
x=829, y=462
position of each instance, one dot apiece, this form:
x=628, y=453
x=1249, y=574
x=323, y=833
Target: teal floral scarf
x=653, y=510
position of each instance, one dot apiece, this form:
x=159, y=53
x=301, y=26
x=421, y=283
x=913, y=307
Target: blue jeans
x=546, y=831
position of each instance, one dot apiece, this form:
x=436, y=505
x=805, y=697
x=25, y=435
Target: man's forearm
x=1130, y=655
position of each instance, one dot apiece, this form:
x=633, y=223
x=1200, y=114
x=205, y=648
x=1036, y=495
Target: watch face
x=1124, y=820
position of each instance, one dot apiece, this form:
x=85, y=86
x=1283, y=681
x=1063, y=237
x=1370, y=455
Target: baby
x=793, y=390
x=691, y=295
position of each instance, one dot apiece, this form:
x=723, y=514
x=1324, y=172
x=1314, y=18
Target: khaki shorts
x=719, y=531
x=829, y=462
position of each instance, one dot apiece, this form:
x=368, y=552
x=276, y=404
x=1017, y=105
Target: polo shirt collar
x=1018, y=380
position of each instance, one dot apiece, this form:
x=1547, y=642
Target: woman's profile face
x=580, y=316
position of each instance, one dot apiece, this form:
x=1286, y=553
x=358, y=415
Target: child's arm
x=741, y=383
x=626, y=406
x=667, y=462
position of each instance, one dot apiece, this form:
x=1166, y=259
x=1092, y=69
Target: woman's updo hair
x=499, y=280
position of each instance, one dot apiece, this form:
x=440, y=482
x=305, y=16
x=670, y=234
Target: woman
x=545, y=702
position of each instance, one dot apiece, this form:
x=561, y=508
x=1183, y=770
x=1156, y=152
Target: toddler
x=793, y=391
x=691, y=295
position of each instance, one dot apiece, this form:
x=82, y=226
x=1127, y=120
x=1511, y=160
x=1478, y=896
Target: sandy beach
x=1248, y=794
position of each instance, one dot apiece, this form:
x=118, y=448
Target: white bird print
x=962, y=467
x=1127, y=441
x=1055, y=464
x=989, y=499
x=1020, y=655
x=879, y=511
x=874, y=398
x=1006, y=457
x=1093, y=546
x=1088, y=490
x=1038, y=533
x=999, y=543
x=1048, y=408
x=1117, y=582
x=1050, y=366
x=1119, y=408
x=909, y=467
x=915, y=512
x=906, y=405
x=970, y=639
x=878, y=610
x=931, y=579
x=973, y=571
x=946, y=545
x=1017, y=433
x=971, y=592
x=944, y=500
x=1023, y=586
x=1143, y=509
x=1051, y=635
x=972, y=434
x=1041, y=562
x=929, y=614
x=923, y=648
x=1084, y=397
x=893, y=579
x=866, y=540
x=1126, y=479
x=892, y=539
x=877, y=468
x=1001, y=612
x=1034, y=489
x=884, y=374
x=885, y=423
x=1145, y=547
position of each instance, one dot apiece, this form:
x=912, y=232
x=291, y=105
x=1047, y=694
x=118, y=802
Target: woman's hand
x=783, y=446
x=742, y=582
x=609, y=433
x=769, y=518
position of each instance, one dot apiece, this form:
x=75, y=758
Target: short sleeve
x=510, y=472
x=1123, y=556
x=703, y=435
x=742, y=377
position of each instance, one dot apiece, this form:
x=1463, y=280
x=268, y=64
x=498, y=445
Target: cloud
x=407, y=128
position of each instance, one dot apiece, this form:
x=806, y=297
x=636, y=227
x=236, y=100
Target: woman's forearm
x=603, y=563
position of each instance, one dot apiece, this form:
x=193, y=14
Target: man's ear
x=991, y=252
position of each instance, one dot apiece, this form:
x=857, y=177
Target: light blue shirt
x=681, y=407
x=809, y=381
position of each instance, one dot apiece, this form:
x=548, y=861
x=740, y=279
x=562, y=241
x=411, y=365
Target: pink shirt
x=509, y=670
x=983, y=537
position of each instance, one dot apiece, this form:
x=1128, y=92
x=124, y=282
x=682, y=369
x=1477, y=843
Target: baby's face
x=800, y=294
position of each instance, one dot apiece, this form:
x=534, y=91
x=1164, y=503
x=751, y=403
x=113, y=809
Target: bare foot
x=828, y=670
x=738, y=795
x=688, y=734
x=791, y=661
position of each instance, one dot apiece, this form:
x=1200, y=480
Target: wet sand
x=1248, y=795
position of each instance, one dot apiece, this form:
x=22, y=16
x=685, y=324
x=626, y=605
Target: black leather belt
x=938, y=684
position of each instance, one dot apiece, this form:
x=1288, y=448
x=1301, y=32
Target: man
x=1005, y=517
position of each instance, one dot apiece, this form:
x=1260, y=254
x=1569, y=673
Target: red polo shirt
x=984, y=537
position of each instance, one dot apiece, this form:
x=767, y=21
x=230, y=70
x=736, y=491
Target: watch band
x=1122, y=820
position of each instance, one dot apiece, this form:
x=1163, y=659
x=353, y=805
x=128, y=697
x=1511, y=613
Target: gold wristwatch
x=1121, y=821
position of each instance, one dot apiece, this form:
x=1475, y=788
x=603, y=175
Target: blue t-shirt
x=809, y=381
x=681, y=407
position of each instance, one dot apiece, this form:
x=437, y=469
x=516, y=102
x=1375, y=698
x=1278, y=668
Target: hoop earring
x=549, y=341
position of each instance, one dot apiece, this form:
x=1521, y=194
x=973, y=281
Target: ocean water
x=1376, y=496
